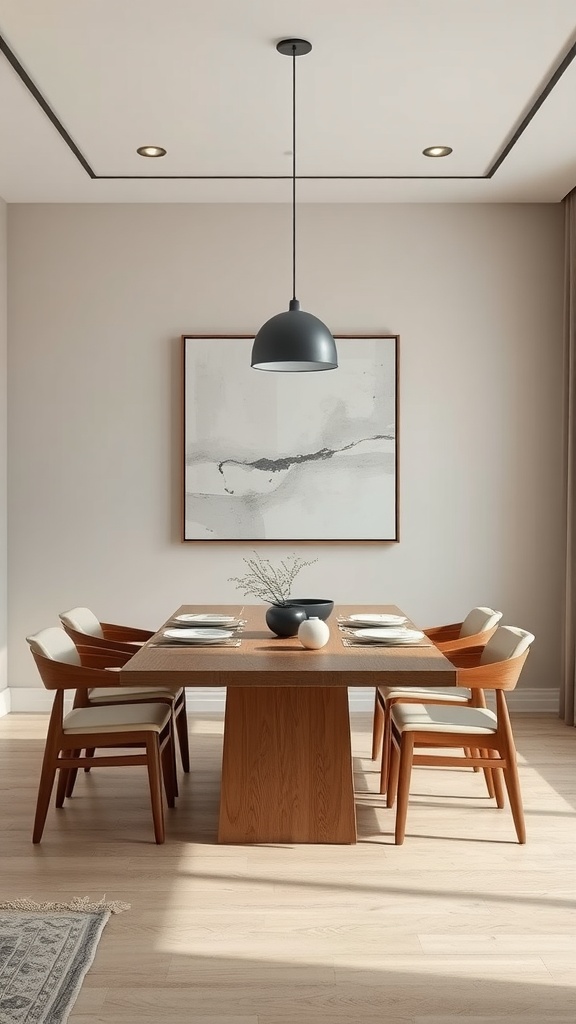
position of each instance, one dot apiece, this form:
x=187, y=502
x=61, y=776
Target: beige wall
x=99, y=296
x=3, y=450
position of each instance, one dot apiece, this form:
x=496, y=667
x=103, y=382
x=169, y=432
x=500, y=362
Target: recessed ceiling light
x=437, y=151
x=151, y=151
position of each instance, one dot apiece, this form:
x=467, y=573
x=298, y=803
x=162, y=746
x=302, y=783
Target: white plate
x=198, y=634
x=395, y=635
x=379, y=620
x=208, y=618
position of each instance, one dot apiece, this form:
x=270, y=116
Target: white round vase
x=313, y=633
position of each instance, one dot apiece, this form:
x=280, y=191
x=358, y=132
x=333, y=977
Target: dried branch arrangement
x=267, y=582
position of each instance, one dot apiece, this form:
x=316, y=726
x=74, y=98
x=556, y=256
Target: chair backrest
x=479, y=620
x=507, y=642
x=82, y=620
x=55, y=644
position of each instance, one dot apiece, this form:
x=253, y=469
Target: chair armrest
x=87, y=640
x=442, y=634
x=467, y=658
x=95, y=657
x=465, y=642
x=497, y=675
x=126, y=634
x=59, y=675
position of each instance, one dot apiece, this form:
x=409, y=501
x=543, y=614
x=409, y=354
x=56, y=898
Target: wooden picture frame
x=290, y=456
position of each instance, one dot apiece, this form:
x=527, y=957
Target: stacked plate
x=372, y=619
x=379, y=628
x=206, y=619
x=391, y=635
x=191, y=635
x=202, y=628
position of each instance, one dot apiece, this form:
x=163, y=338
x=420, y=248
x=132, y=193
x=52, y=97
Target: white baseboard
x=5, y=703
x=37, y=700
x=544, y=700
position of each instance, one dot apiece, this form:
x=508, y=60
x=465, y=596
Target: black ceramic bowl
x=314, y=606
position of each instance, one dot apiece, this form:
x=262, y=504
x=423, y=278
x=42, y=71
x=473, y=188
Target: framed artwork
x=290, y=456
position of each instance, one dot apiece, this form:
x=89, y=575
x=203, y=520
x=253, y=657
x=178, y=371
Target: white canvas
x=290, y=456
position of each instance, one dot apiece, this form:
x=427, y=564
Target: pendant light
x=294, y=341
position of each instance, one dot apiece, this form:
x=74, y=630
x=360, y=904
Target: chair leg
x=63, y=776
x=73, y=772
x=90, y=751
x=405, y=771
x=155, y=783
x=392, y=787
x=496, y=774
x=386, y=750
x=43, y=802
x=182, y=730
x=479, y=701
x=45, y=787
x=488, y=775
x=511, y=777
x=169, y=771
x=469, y=752
x=377, y=728
x=512, y=780
x=49, y=765
x=173, y=776
x=498, y=788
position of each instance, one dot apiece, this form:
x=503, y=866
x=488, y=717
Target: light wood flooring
x=459, y=924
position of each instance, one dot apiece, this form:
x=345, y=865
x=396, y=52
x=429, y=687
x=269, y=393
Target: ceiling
x=82, y=85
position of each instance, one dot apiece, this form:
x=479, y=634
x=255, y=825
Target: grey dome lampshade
x=294, y=341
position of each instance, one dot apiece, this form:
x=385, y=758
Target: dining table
x=287, y=773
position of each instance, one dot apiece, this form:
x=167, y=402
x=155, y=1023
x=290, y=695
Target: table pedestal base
x=287, y=766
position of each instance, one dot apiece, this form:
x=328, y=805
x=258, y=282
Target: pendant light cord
x=293, y=171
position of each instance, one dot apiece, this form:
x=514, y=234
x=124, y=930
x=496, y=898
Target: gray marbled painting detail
x=289, y=456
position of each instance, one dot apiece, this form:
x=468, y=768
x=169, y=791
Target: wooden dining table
x=287, y=760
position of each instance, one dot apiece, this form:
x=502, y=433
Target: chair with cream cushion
x=497, y=666
x=479, y=624
x=475, y=630
x=87, y=631
x=84, y=623
x=147, y=726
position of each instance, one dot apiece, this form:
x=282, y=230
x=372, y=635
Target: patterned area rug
x=45, y=952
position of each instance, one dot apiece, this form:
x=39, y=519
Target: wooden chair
x=497, y=666
x=85, y=629
x=475, y=630
x=104, y=634
x=146, y=726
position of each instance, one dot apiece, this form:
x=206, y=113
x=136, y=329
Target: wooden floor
x=460, y=923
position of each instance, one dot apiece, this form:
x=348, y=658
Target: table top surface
x=265, y=660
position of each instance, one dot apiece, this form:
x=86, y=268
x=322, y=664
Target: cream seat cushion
x=437, y=718
x=125, y=718
x=456, y=694
x=101, y=694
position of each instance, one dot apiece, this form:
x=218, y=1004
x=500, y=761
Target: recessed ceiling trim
x=497, y=163
x=552, y=81
x=35, y=92
x=288, y=177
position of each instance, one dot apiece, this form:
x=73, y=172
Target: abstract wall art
x=290, y=456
